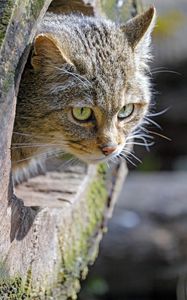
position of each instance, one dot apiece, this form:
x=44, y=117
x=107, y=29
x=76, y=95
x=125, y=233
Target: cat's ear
x=139, y=28
x=47, y=53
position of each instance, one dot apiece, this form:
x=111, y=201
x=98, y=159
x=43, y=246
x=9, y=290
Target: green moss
x=8, y=82
x=12, y=289
x=96, y=196
x=79, y=250
x=4, y=20
x=36, y=7
x=32, y=11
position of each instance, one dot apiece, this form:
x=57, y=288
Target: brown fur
x=82, y=61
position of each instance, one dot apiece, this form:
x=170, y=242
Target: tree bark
x=46, y=243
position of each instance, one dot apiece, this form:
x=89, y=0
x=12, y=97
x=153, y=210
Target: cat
x=85, y=92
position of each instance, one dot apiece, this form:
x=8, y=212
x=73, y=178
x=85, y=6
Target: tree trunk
x=46, y=243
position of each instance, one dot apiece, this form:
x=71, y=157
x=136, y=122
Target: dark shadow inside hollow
x=22, y=217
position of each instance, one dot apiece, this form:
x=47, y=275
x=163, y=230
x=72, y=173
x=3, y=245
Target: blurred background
x=144, y=254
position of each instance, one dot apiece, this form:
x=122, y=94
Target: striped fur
x=81, y=61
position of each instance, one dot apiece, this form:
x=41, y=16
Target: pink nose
x=108, y=149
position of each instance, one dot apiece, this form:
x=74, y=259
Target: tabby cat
x=86, y=91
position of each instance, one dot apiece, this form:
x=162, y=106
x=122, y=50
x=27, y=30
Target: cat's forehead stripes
x=103, y=58
x=107, y=55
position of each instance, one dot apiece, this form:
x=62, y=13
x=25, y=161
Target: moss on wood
x=5, y=18
x=78, y=247
x=80, y=250
x=12, y=289
x=12, y=40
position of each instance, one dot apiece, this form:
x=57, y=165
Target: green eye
x=81, y=113
x=126, y=111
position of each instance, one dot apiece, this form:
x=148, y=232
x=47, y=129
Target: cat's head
x=95, y=79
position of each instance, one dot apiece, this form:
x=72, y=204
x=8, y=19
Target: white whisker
x=125, y=151
x=127, y=158
x=77, y=76
x=152, y=122
x=147, y=145
x=158, y=113
x=44, y=155
x=30, y=145
x=166, y=71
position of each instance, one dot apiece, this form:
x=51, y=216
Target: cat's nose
x=108, y=149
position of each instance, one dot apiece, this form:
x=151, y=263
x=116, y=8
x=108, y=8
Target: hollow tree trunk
x=46, y=244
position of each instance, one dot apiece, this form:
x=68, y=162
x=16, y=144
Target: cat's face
x=103, y=134
x=96, y=126
x=97, y=84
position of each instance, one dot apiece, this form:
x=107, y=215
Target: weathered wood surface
x=44, y=252
x=18, y=21
x=49, y=249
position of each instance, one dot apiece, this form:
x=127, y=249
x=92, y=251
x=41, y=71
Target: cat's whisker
x=160, y=68
x=160, y=135
x=108, y=165
x=127, y=158
x=138, y=134
x=21, y=133
x=147, y=145
x=152, y=122
x=68, y=163
x=113, y=159
x=44, y=155
x=158, y=113
x=32, y=145
x=34, y=135
x=166, y=71
x=144, y=129
x=157, y=68
x=139, y=137
x=57, y=88
x=141, y=144
x=125, y=151
x=36, y=146
x=77, y=76
x=144, y=143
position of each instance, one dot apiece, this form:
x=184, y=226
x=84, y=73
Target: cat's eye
x=82, y=113
x=126, y=111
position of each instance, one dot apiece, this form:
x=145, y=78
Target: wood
x=51, y=247
x=45, y=249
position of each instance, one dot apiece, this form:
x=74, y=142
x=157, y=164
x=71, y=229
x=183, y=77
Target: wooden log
x=45, y=249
